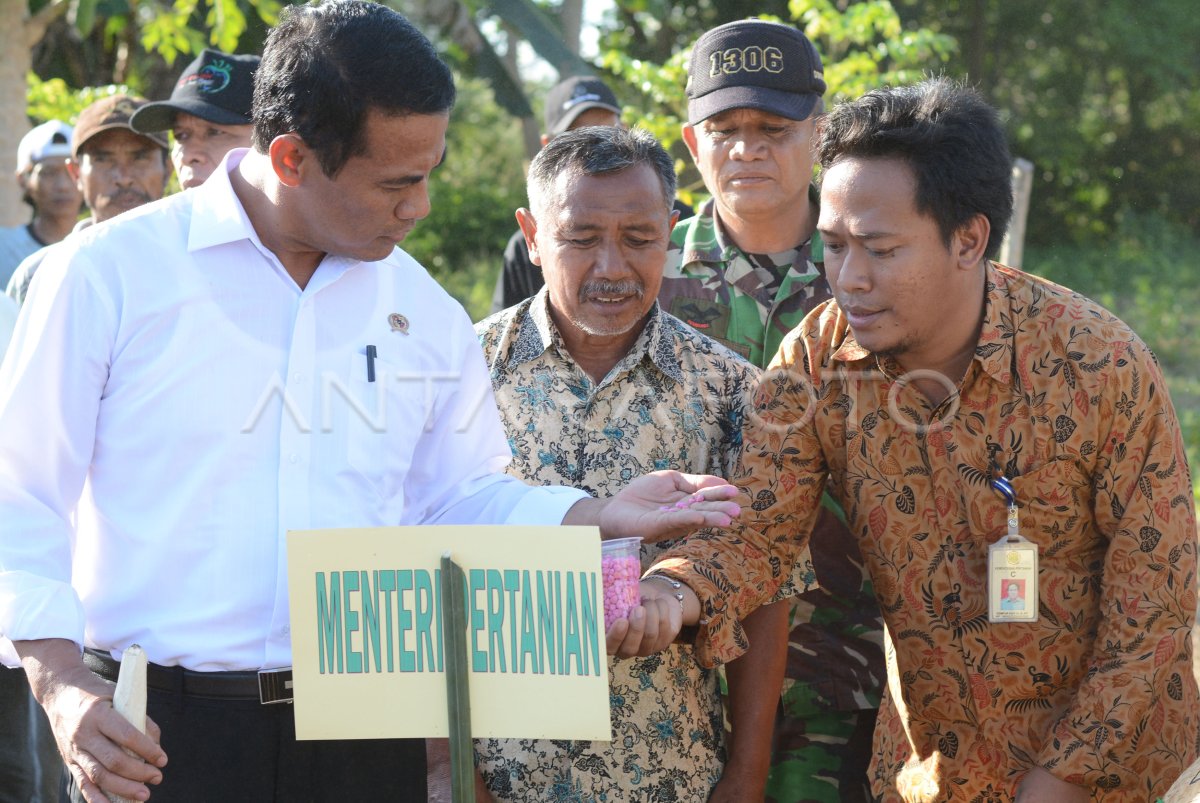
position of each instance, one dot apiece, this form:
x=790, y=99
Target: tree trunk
x=16, y=43
x=570, y=14
x=531, y=130
x=977, y=47
x=13, y=122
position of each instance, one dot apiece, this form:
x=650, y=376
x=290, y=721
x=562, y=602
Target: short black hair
x=950, y=137
x=326, y=65
x=597, y=150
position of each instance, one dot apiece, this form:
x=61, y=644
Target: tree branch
x=36, y=24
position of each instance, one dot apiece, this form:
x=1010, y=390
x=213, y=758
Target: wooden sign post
x=458, y=692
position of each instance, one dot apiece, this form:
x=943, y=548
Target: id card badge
x=1013, y=576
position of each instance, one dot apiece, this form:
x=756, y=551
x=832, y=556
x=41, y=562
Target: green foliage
x=169, y=33
x=661, y=84
x=174, y=29
x=226, y=21
x=866, y=46
x=139, y=43
x=183, y=27
x=655, y=30
x=1145, y=274
x=474, y=195
x=54, y=100
x=1101, y=97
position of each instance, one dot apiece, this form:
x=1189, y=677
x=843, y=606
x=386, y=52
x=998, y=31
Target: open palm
x=669, y=504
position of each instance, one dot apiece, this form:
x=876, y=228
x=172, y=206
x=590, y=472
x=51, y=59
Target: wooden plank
x=1012, y=250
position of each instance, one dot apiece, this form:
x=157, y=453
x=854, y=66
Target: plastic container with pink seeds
x=621, y=569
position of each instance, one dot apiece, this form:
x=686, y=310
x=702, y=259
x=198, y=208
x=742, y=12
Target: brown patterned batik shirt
x=1066, y=401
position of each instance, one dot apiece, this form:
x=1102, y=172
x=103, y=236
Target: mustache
x=134, y=197
x=602, y=288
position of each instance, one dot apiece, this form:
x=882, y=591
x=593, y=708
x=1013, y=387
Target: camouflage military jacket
x=747, y=302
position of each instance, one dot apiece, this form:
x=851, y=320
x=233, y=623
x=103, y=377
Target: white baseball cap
x=51, y=138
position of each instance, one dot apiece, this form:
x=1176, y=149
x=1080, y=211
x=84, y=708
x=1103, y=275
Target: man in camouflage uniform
x=745, y=271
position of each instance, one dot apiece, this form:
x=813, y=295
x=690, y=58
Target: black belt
x=266, y=686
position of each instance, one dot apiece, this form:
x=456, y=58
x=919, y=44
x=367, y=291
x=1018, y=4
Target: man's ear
x=529, y=228
x=73, y=172
x=969, y=243
x=689, y=138
x=23, y=180
x=290, y=159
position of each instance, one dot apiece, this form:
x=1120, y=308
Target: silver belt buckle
x=275, y=685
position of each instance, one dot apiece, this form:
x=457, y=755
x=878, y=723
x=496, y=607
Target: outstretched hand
x=668, y=504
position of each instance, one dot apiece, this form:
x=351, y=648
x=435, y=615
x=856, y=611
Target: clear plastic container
x=621, y=569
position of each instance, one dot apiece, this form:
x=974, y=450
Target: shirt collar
x=703, y=240
x=659, y=345
x=218, y=218
x=217, y=213
x=993, y=351
x=707, y=242
x=536, y=333
x=995, y=348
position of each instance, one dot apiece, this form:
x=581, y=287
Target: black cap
x=570, y=98
x=754, y=64
x=217, y=87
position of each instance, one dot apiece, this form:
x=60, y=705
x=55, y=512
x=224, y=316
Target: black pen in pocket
x=370, y=351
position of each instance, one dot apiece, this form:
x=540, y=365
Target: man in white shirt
x=113, y=169
x=254, y=356
x=8, y=321
x=29, y=765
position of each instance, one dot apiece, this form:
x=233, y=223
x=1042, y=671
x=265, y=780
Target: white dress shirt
x=173, y=403
x=8, y=322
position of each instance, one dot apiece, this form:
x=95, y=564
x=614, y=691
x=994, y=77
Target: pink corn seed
x=621, y=574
